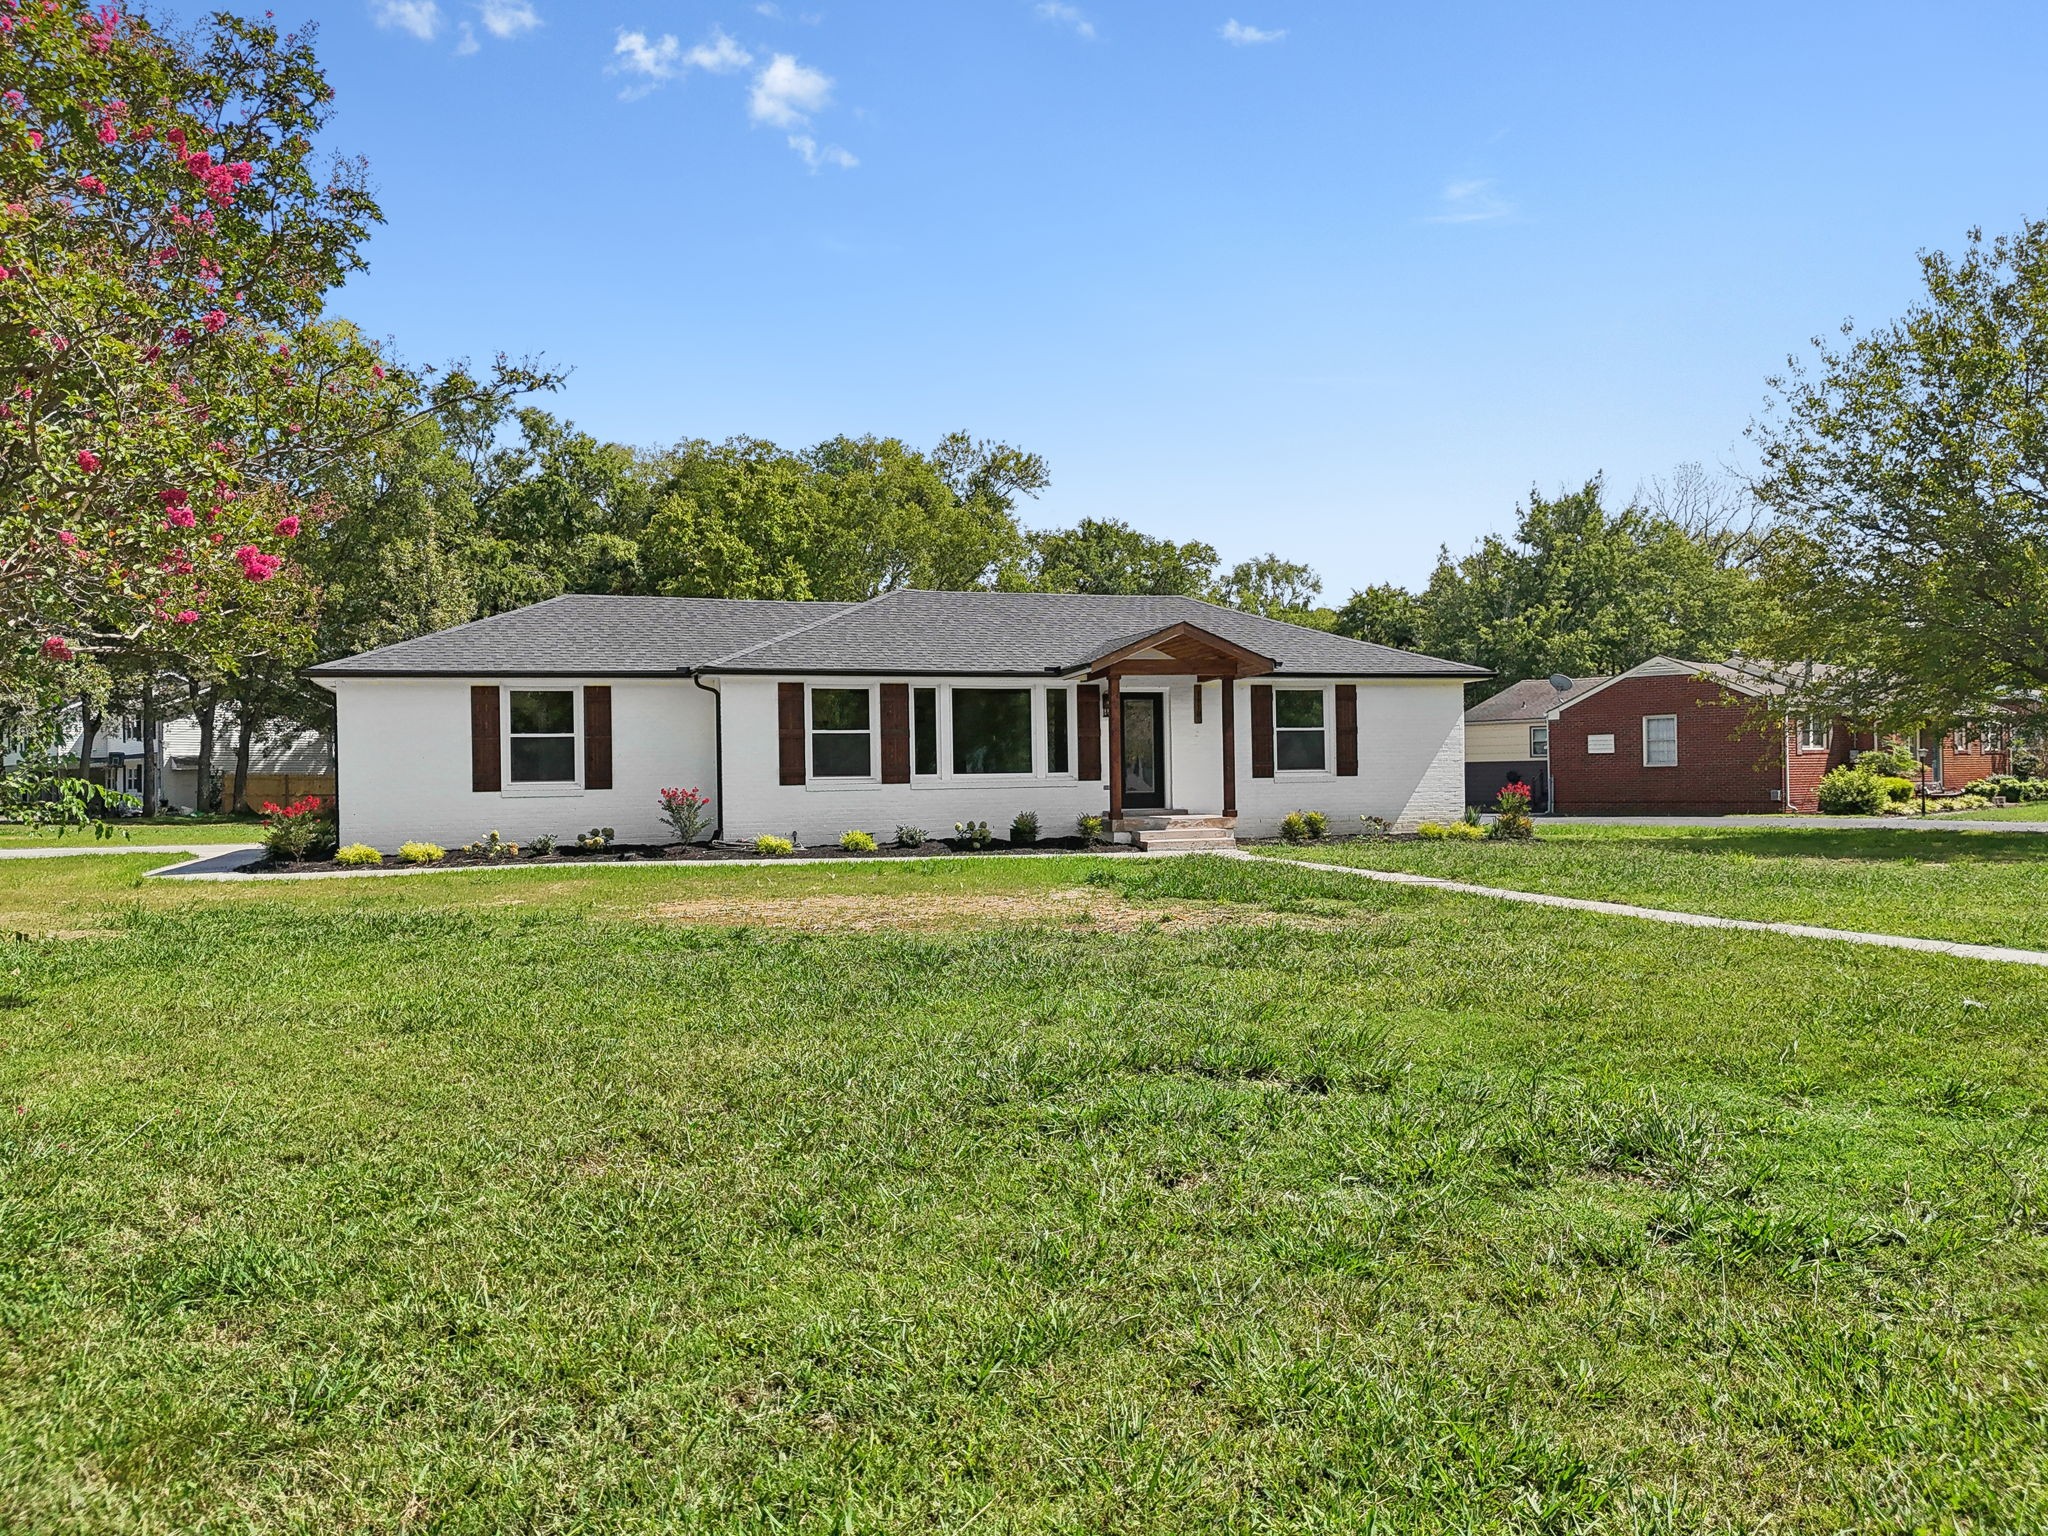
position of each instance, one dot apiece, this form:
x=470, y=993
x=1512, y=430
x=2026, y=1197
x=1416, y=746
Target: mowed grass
x=155, y=830
x=1976, y=887
x=502, y=1202
x=2033, y=810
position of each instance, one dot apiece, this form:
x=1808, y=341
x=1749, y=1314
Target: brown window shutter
x=789, y=720
x=485, y=775
x=1347, y=730
x=895, y=733
x=1088, y=733
x=597, y=737
x=1262, y=730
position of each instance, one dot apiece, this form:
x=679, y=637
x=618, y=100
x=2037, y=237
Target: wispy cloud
x=786, y=93
x=1059, y=12
x=1238, y=35
x=718, y=54
x=422, y=18
x=1470, y=202
x=816, y=154
x=653, y=61
x=465, y=41
x=505, y=19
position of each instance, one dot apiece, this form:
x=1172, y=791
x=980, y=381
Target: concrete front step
x=1165, y=821
x=1188, y=839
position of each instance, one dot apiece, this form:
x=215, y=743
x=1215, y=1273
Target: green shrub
x=1093, y=829
x=420, y=853
x=1511, y=819
x=1888, y=762
x=541, y=845
x=357, y=854
x=1376, y=826
x=1849, y=791
x=1896, y=788
x=1450, y=832
x=1024, y=828
x=975, y=834
x=857, y=841
x=1304, y=827
x=301, y=830
x=769, y=846
x=910, y=837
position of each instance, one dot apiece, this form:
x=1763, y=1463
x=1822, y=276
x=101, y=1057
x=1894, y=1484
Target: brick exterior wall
x=1804, y=767
x=1726, y=765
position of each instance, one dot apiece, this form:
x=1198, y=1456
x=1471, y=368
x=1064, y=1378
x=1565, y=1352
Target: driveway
x=1776, y=823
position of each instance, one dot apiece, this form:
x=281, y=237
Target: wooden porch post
x=1229, y=746
x=1116, y=748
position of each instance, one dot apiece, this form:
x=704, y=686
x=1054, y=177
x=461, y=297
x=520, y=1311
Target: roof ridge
x=801, y=629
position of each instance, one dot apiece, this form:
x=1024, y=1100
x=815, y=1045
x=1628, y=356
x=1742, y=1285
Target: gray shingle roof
x=588, y=636
x=1531, y=699
x=989, y=633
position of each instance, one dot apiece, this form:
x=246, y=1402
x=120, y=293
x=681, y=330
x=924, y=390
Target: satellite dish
x=1560, y=682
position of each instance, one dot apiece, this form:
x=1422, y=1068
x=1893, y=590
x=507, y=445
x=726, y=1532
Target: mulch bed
x=699, y=853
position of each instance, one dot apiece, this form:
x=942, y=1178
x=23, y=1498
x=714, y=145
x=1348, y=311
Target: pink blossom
x=88, y=460
x=35, y=141
x=256, y=565
x=5, y=274
x=187, y=616
x=93, y=185
x=214, y=319
x=67, y=538
x=109, y=131
x=179, y=517
x=288, y=527
x=15, y=99
x=377, y=369
x=56, y=649
x=174, y=497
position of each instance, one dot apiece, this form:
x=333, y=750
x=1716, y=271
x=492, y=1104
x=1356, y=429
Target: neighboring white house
x=282, y=764
x=918, y=708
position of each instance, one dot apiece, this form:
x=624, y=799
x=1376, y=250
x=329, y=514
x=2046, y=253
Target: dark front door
x=1144, y=765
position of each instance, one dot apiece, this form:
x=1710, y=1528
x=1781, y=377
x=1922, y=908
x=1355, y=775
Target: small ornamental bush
x=857, y=841
x=688, y=812
x=1896, y=788
x=357, y=854
x=1450, y=832
x=301, y=830
x=910, y=837
x=1888, y=762
x=541, y=845
x=1024, y=828
x=491, y=847
x=1093, y=829
x=1849, y=791
x=1376, y=826
x=1304, y=827
x=596, y=840
x=975, y=834
x=420, y=853
x=769, y=846
x=1511, y=819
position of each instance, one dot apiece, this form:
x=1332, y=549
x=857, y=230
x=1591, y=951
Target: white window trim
x=950, y=775
x=946, y=778
x=1545, y=753
x=538, y=789
x=1826, y=733
x=873, y=733
x=1646, y=741
x=1329, y=768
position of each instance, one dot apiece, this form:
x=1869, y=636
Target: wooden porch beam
x=1230, y=746
x=1115, y=765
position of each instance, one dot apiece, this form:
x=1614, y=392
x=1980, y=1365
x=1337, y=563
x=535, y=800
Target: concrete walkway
x=1994, y=952
x=1956, y=823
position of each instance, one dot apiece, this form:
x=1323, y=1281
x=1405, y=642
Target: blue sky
x=1340, y=280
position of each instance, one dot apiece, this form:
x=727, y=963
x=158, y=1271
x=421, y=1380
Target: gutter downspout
x=718, y=755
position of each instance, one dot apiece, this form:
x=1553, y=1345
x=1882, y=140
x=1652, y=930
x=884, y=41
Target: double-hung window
x=1300, y=739
x=842, y=733
x=1056, y=740
x=991, y=730
x=924, y=731
x=543, y=735
x=1660, y=741
x=1539, y=741
x=1815, y=732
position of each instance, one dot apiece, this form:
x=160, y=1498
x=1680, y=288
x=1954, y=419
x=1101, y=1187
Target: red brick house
x=1674, y=737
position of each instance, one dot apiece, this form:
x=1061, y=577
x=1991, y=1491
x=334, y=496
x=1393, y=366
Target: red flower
x=179, y=517
x=213, y=320
x=256, y=565
x=56, y=649
x=288, y=527
x=88, y=460
x=187, y=616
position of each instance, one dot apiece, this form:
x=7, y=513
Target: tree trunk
x=205, y=793
x=149, y=763
x=245, y=730
x=88, y=728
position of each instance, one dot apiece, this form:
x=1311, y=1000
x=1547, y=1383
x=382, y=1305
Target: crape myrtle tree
x=1907, y=469
x=171, y=392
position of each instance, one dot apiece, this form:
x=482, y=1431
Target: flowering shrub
x=298, y=831
x=358, y=854
x=1304, y=827
x=975, y=834
x=1024, y=828
x=688, y=812
x=1511, y=819
x=596, y=840
x=420, y=853
x=857, y=841
x=769, y=846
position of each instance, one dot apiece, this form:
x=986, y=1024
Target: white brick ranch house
x=919, y=708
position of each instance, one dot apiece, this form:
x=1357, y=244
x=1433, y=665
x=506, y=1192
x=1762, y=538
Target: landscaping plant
x=1092, y=827
x=769, y=846
x=857, y=841
x=1451, y=832
x=596, y=840
x=299, y=831
x=688, y=812
x=492, y=847
x=1024, y=828
x=1304, y=827
x=910, y=837
x=975, y=834
x=1511, y=819
x=541, y=844
x=1850, y=791
x=420, y=853
x=358, y=855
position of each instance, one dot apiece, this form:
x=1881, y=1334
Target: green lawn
x=1977, y=887
x=154, y=829
x=2034, y=810
x=1005, y=1196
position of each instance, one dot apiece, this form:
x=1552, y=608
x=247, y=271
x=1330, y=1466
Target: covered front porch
x=1170, y=700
